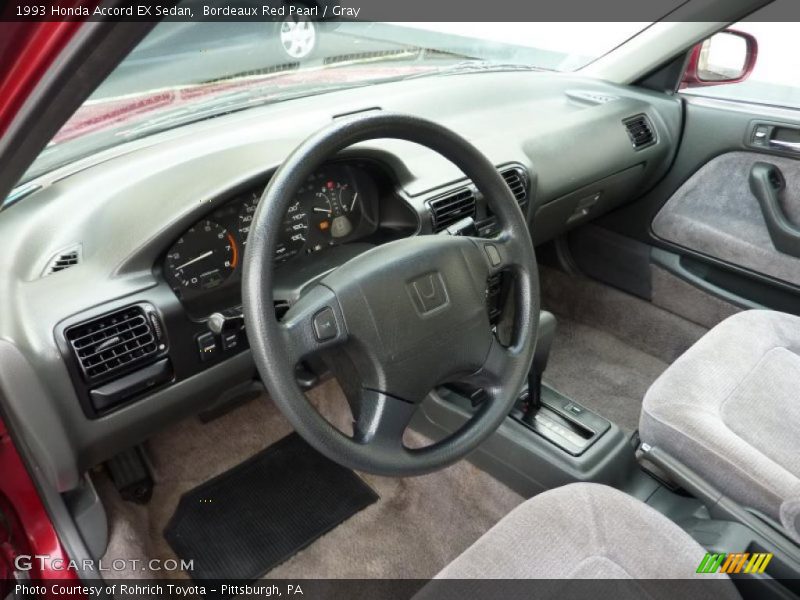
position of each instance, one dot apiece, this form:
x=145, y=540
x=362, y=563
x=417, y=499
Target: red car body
x=28, y=51
x=30, y=530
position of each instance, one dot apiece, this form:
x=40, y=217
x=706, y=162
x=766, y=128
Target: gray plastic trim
x=672, y=263
x=721, y=506
x=526, y=462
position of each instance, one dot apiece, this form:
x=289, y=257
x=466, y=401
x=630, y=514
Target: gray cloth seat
x=729, y=408
x=584, y=531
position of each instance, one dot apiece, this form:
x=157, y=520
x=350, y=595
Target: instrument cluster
x=336, y=205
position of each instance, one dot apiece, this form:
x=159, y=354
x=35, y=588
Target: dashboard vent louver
x=640, y=131
x=63, y=260
x=517, y=181
x=113, y=343
x=451, y=208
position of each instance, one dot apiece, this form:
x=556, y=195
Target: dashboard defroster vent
x=113, y=343
x=517, y=181
x=63, y=260
x=640, y=131
x=452, y=207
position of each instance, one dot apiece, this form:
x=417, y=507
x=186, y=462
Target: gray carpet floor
x=609, y=346
x=417, y=527
x=601, y=372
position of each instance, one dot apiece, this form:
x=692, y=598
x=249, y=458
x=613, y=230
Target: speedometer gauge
x=294, y=228
x=294, y=231
x=204, y=257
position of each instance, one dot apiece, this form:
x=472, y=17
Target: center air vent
x=451, y=208
x=640, y=131
x=517, y=181
x=114, y=343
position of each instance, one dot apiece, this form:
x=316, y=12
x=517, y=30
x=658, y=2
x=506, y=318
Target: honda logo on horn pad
x=428, y=292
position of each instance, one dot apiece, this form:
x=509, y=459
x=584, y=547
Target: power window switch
x=207, y=346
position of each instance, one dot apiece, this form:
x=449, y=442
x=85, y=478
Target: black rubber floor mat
x=255, y=516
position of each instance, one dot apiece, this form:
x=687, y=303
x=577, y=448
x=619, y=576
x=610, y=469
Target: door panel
x=703, y=224
x=715, y=213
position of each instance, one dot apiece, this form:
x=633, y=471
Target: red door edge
x=33, y=47
x=32, y=532
x=28, y=538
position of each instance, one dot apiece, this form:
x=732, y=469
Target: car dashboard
x=123, y=311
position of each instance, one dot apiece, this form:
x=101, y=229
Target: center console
x=547, y=440
x=561, y=421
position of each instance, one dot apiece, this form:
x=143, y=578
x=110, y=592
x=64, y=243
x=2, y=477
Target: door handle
x=785, y=145
x=766, y=183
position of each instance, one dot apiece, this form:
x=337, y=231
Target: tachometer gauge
x=336, y=208
x=204, y=257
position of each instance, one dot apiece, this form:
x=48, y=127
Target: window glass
x=183, y=72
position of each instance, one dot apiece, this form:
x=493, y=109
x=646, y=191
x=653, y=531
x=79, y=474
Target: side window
x=775, y=75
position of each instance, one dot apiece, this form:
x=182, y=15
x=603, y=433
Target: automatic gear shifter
x=551, y=415
x=544, y=341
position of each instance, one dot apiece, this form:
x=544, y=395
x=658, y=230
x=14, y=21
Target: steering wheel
x=402, y=317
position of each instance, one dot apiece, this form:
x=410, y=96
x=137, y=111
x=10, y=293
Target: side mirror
x=726, y=57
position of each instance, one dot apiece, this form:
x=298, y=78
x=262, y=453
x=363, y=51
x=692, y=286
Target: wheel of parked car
x=297, y=37
x=401, y=318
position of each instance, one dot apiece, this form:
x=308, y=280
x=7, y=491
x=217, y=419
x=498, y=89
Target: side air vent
x=113, y=343
x=517, y=180
x=63, y=260
x=451, y=208
x=640, y=131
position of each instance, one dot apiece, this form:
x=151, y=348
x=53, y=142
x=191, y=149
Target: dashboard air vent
x=63, y=260
x=113, y=343
x=640, y=131
x=518, y=182
x=451, y=208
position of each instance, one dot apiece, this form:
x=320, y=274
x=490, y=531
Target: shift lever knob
x=544, y=341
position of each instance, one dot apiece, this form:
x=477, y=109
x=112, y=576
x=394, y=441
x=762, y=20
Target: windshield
x=183, y=72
